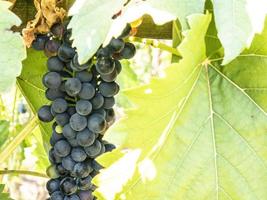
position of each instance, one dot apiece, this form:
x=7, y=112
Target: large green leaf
x=30, y=84
x=237, y=21
x=92, y=23
x=12, y=48
x=195, y=134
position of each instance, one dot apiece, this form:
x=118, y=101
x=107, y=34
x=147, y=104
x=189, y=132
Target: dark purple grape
x=39, y=42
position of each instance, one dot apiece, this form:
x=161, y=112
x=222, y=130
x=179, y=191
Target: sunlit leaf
x=237, y=21
x=198, y=133
x=12, y=50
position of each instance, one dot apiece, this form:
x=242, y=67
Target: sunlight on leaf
x=203, y=136
x=12, y=50
x=237, y=21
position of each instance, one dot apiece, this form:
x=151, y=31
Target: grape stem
x=23, y=172
x=156, y=44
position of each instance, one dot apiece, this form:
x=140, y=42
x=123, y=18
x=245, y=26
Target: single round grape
x=93, y=150
x=68, y=163
x=54, y=64
x=53, y=94
x=44, y=114
x=86, y=195
x=39, y=42
x=85, y=183
x=52, y=80
x=87, y=91
x=97, y=101
x=78, y=122
x=78, y=154
x=73, y=86
x=53, y=158
x=62, y=148
x=68, y=132
x=62, y=119
x=109, y=147
x=72, y=197
x=60, y=105
x=118, y=66
x=51, y=47
x=104, y=52
x=128, y=51
x=84, y=76
x=61, y=170
x=56, y=136
x=96, y=123
x=109, y=89
x=76, y=66
x=57, y=30
x=105, y=65
x=116, y=44
x=81, y=170
x=109, y=77
x=57, y=195
x=101, y=111
x=85, y=138
x=73, y=142
x=110, y=116
x=68, y=186
x=51, y=172
x=83, y=107
x=52, y=185
x=66, y=52
x=109, y=102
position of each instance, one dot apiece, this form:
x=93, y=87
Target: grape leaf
x=91, y=29
x=237, y=21
x=12, y=50
x=30, y=84
x=196, y=134
x=3, y=195
x=90, y=23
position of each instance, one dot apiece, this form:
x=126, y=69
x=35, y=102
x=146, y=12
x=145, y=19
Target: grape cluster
x=82, y=100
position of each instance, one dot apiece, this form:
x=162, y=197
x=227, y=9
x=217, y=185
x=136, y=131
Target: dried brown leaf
x=47, y=14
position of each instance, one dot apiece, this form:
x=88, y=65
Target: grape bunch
x=82, y=100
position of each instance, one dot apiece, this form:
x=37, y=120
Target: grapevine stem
x=68, y=71
x=156, y=44
x=70, y=99
x=23, y=172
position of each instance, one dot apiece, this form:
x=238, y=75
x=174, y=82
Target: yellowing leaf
x=12, y=50
x=199, y=134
